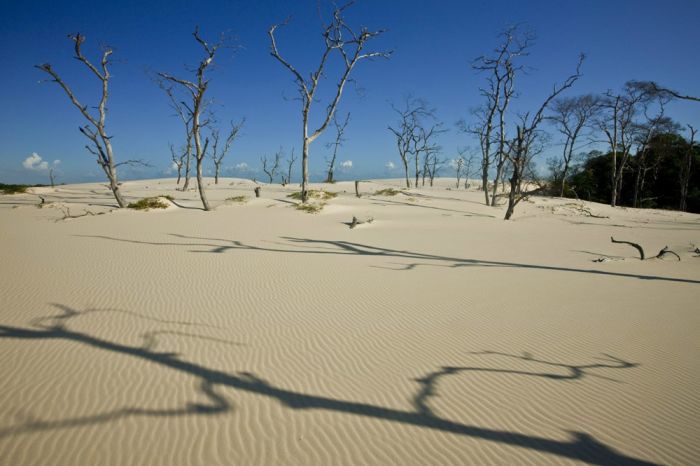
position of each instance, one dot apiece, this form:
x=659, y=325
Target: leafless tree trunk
x=290, y=164
x=95, y=129
x=178, y=161
x=501, y=69
x=51, y=177
x=339, y=131
x=525, y=146
x=619, y=128
x=685, y=169
x=269, y=167
x=218, y=156
x=570, y=116
x=645, y=131
x=407, y=131
x=182, y=111
x=458, y=165
x=196, y=90
x=337, y=37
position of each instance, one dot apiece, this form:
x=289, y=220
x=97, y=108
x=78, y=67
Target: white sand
x=259, y=334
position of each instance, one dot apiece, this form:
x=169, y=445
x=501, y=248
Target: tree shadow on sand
x=581, y=446
x=316, y=246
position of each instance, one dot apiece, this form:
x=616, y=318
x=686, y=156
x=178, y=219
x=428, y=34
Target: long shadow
x=313, y=246
x=408, y=204
x=581, y=446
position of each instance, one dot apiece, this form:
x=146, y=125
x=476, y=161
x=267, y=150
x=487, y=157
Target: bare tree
x=196, y=90
x=570, y=116
x=339, y=38
x=178, y=160
x=183, y=112
x=528, y=143
x=652, y=126
x=424, y=143
x=339, y=131
x=95, y=130
x=433, y=165
x=618, y=124
x=685, y=169
x=407, y=130
x=670, y=92
x=269, y=167
x=217, y=155
x=52, y=177
x=501, y=69
x=459, y=166
x=286, y=179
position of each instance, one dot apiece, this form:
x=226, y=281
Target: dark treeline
x=653, y=178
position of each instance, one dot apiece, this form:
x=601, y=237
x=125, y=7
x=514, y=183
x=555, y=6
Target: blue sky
x=433, y=43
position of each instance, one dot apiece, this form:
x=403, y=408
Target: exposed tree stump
x=257, y=191
x=357, y=189
x=356, y=222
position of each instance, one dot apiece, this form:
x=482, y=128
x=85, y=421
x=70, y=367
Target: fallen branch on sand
x=639, y=248
x=67, y=215
x=356, y=222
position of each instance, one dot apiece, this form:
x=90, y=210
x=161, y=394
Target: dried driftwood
x=634, y=245
x=639, y=248
x=356, y=222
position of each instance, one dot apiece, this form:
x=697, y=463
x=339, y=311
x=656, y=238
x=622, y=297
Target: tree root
x=639, y=248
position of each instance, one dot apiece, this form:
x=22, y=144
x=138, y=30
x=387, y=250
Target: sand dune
x=259, y=334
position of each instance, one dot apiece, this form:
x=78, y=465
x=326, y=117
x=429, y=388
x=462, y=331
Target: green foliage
x=13, y=188
x=310, y=208
x=148, y=203
x=662, y=164
x=168, y=197
x=315, y=194
x=387, y=192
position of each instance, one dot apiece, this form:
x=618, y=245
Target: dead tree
x=671, y=93
x=178, y=160
x=433, y=165
x=339, y=131
x=501, y=69
x=182, y=111
x=570, y=116
x=685, y=169
x=95, y=130
x=286, y=179
x=424, y=143
x=459, y=165
x=407, y=131
x=269, y=167
x=618, y=125
x=338, y=38
x=526, y=144
x=217, y=156
x=645, y=132
x=52, y=177
x=195, y=90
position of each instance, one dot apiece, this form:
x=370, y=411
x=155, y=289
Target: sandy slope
x=258, y=334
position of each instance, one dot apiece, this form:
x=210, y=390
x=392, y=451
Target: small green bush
x=310, y=208
x=148, y=203
x=13, y=188
x=315, y=194
x=387, y=192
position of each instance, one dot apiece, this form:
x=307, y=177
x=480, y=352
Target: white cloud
x=241, y=167
x=390, y=165
x=34, y=162
x=346, y=165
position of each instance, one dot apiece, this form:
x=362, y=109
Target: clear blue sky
x=433, y=42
